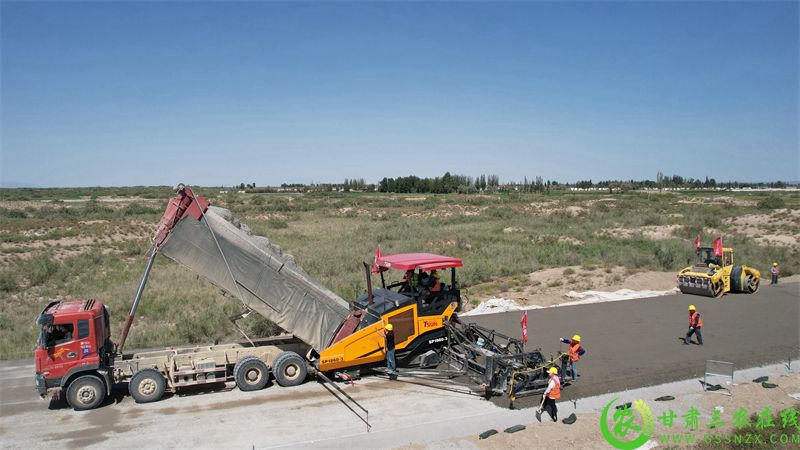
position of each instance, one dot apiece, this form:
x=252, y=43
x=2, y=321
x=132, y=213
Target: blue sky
x=218, y=93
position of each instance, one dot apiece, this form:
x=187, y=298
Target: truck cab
x=72, y=352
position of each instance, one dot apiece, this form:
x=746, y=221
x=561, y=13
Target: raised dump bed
x=220, y=249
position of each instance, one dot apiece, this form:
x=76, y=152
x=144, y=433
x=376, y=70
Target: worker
x=58, y=334
x=550, y=395
x=407, y=278
x=436, y=285
x=775, y=271
x=391, y=365
x=574, y=351
x=695, y=324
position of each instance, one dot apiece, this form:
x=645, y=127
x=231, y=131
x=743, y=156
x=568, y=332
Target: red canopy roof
x=411, y=261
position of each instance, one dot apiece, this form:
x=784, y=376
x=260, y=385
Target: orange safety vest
x=573, y=351
x=695, y=320
x=556, y=391
x=436, y=287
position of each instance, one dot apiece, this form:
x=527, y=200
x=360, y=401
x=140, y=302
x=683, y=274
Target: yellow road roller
x=714, y=274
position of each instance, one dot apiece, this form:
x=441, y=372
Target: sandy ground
x=65, y=247
x=631, y=344
x=777, y=228
x=654, y=232
x=550, y=286
x=113, y=202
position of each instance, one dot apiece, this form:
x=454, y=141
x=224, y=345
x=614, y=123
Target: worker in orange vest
x=695, y=324
x=552, y=393
x=436, y=285
x=775, y=271
x=574, y=352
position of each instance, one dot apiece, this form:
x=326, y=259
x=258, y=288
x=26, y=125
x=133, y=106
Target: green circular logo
x=627, y=433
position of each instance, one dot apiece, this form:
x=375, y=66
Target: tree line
x=445, y=184
x=450, y=183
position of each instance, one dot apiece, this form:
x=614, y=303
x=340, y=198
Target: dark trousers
x=692, y=331
x=774, y=279
x=551, y=408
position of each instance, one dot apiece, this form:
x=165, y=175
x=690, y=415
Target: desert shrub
x=669, y=257
x=12, y=238
x=477, y=271
x=652, y=219
x=207, y=325
x=133, y=248
x=41, y=268
x=137, y=209
x=12, y=213
x=569, y=271
x=261, y=327
x=277, y=224
x=771, y=202
x=8, y=281
x=689, y=231
x=712, y=220
x=500, y=213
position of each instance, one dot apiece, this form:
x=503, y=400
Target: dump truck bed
x=249, y=267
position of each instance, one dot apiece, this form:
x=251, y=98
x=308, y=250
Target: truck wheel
x=147, y=385
x=251, y=374
x=86, y=392
x=289, y=369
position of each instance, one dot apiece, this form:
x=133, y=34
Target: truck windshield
x=53, y=335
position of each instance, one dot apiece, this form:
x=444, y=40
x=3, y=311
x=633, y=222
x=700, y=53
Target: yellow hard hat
x=577, y=337
x=553, y=370
x=435, y=275
x=389, y=327
x=691, y=308
x=774, y=264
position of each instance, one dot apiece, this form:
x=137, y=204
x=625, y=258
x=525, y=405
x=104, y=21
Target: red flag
x=377, y=256
x=697, y=243
x=524, y=324
x=718, y=246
